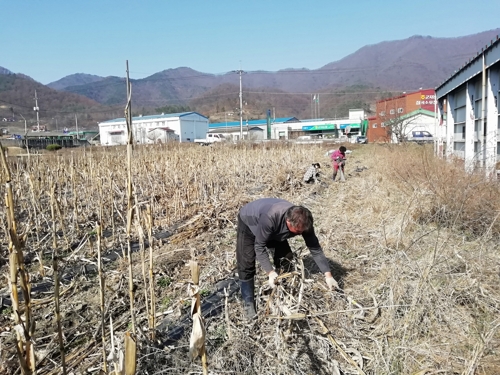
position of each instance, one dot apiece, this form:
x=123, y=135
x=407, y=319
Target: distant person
x=265, y=224
x=338, y=160
x=312, y=173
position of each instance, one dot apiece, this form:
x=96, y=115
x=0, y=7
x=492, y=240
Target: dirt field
x=413, y=242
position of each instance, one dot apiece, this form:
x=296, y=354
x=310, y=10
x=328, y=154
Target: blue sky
x=50, y=39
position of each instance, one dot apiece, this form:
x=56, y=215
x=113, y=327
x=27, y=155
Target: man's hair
x=342, y=149
x=300, y=217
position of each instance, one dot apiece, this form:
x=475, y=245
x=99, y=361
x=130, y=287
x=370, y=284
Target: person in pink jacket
x=338, y=160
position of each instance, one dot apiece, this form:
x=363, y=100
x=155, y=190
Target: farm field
x=412, y=240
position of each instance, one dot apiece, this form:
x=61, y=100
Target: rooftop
x=260, y=122
x=153, y=117
x=402, y=95
x=472, y=60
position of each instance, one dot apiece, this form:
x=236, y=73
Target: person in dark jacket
x=268, y=223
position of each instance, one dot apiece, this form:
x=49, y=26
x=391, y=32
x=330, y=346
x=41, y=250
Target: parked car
x=361, y=139
x=420, y=136
x=308, y=139
x=210, y=138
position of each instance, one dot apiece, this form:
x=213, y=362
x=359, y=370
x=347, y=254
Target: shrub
x=53, y=147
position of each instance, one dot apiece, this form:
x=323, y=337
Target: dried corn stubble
x=435, y=285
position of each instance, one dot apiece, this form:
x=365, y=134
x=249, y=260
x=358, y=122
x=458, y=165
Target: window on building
x=116, y=136
x=382, y=113
x=460, y=114
x=391, y=111
x=382, y=124
x=400, y=110
x=374, y=126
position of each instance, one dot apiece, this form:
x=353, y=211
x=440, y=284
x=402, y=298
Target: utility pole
x=240, y=72
x=25, y=126
x=25, y=135
x=36, y=109
x=315, y=105
x=76, y=122
x=318, y=108
x=312, y=103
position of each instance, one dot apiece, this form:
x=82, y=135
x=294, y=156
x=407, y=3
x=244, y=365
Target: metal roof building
x=252, y=129
x=185, y=126
x=292, y=127
x=469, y=99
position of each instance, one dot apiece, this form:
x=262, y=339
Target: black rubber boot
x=247, y=293
x=334, y=176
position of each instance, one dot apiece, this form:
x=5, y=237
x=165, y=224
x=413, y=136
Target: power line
x=182, y=100
x=121, y=81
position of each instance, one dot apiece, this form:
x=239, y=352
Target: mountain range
x=371, y=72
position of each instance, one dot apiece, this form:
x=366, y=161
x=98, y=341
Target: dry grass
x=413, y=241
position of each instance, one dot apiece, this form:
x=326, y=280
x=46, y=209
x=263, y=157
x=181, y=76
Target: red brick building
x=399, y=106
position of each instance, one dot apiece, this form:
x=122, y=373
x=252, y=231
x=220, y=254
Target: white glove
x=272, y=278
x=332, y=283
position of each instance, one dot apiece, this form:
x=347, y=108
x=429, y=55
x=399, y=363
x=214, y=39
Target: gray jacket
x=266, y=220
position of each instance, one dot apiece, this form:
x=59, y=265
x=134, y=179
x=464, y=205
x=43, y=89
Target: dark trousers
x=245, y=251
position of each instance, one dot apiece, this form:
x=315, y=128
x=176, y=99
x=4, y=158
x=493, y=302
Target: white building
x=181, y=127
x=468, y=106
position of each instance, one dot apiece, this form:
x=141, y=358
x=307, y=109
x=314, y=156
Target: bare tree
x=399, y=125
x=395, y=118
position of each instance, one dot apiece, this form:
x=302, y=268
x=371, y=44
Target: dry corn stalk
x=197, y=341
x=140, y=232
x=130, y=359
x=115, y=355
x=130, y=196
x=24, y=328
x=152, y=312
x=101, y=294
x=130, y=354
x=57, y=309
x=36, y=209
